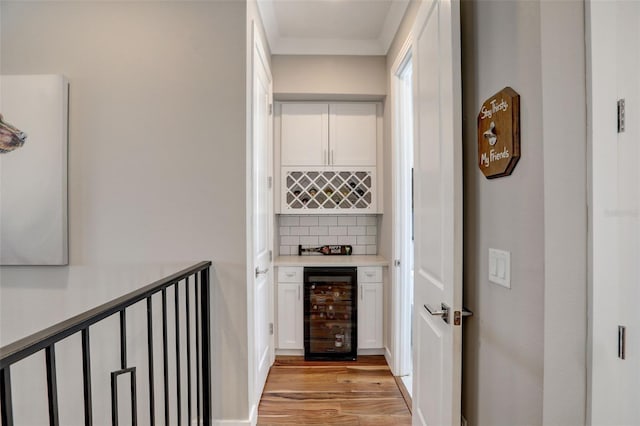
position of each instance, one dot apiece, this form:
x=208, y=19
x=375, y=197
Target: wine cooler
x=330, y=331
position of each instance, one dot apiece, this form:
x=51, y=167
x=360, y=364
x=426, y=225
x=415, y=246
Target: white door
x=262, y=217
x=615, y=60
x=438, y=214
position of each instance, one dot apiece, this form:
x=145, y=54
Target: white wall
x=323, y=77
x=157, y=147
x=503, y=356
x=565, y=211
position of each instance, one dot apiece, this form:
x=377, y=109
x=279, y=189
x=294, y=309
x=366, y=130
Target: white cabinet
x=370, y=314
x=352, y=134
x=319, y=134
x=328, y=157
x=304, y=136
x=290, y=318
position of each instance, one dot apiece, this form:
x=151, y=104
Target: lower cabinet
x=290, y=309
x=370, y=307
x=290, y=306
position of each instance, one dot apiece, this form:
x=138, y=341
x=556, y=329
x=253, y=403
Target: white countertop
x=322, y=260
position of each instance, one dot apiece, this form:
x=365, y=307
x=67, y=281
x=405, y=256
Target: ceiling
x=331, y=27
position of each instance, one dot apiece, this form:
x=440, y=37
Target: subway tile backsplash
x=359, y=231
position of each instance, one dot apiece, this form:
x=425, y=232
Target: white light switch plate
x=500, y=267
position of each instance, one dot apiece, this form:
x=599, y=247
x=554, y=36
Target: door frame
x=400, y=318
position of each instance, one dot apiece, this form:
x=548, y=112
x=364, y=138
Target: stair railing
x=196, y=276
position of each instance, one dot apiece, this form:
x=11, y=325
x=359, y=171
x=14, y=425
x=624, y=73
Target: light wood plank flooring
x=340, y=393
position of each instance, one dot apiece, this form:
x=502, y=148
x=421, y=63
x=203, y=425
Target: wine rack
x=317, y=190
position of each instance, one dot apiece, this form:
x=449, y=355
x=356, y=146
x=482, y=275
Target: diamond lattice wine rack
x=328, y=190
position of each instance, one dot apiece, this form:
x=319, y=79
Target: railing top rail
x=29, y=345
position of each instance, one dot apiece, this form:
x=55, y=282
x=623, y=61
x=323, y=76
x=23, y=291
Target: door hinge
x=396, y=262
x=270, y=182
x=621, y=114
x=270, y=109
x=270, y=255
x=271, y=328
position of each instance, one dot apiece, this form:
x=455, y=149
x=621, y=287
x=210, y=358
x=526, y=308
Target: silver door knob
x=443, y=312
x=261, y=271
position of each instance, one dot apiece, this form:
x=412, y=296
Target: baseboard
x=370, y=351
x=404, y=392
x=290, y=352
x=232, y=422
x=389, y=358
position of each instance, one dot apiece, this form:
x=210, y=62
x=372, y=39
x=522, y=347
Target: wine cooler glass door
x=330, y=313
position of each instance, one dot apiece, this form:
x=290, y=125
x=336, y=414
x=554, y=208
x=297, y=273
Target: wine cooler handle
x=325, y=157
x=332, y=160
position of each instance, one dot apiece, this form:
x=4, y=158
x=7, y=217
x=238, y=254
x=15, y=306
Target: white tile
x=328, y=221
x=356, y=230
x=289, y=220
x=359, y=249
x=338, y=230
x=372, y=230
x=285, y=250
x=309, y=241
x=350, y=240
x=367, y=240
x=309, y=221
x=299, y=230
x=372, y=249
x=290, y=240
x=347, y=221
x=326, y=240
x=285, y=230
x=367, y=220
x=318, y=230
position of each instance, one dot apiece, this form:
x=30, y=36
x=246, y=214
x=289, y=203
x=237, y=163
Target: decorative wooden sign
x=499, y=134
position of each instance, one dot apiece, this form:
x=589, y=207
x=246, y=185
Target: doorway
x=403, y=213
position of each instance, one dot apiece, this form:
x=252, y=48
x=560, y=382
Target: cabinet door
x=370, y=316
x=353, y=134
x=290, y=319
x=304, y=134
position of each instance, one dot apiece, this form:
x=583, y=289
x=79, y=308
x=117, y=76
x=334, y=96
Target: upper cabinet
x=337, y=134
x=304, y=139
x=328, y=157
x=352, y=134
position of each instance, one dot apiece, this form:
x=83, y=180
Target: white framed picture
x=33, y=171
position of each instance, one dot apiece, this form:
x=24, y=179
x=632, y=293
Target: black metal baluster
x=206, y=349
x=188, y=312
x=114, y=399
x=52, y=385
x=165, y=353
x=86, y=379
x=134, y=400
x=152, y=400
x=6, y=405
x=123, y=339
x=176, y=299
x=198, y=337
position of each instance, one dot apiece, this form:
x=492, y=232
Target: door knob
x=442, y=313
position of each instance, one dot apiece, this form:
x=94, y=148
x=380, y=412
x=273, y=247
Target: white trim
x=328, y=46
x=397, y=366
x=232, y=422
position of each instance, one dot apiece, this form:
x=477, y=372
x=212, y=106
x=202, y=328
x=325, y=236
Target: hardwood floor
x=363, y=392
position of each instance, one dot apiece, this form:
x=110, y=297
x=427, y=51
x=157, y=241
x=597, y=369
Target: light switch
x=500, y=267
